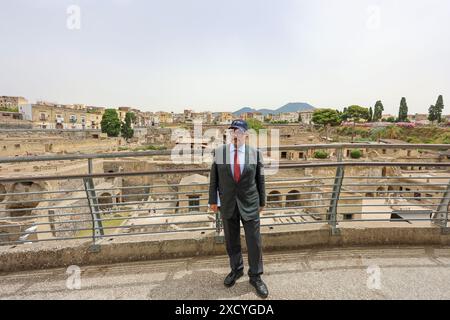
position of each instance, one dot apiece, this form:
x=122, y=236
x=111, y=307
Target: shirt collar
x=240, y=149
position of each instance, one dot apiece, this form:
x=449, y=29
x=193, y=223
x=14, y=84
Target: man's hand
x=261, y=209
x=214, y=208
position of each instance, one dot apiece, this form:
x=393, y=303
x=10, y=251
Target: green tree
x=378, y=111
x=255, y=124
x=439, y=106
x=326, y=118
x=126, y=129
x=344, y=115
x=300, y=118
x=432, y=116
x=356, y=113
x=370, y=118
x=403, y=111
x=110, y=123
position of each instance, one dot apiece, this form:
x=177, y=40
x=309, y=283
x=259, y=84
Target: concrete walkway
x=338, y=273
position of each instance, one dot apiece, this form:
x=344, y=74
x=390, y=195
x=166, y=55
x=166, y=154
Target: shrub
x=355, y=154
x=320, y=154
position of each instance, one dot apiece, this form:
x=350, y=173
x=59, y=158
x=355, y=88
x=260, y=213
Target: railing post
x=97, y=226
x=440, y=217
x=218, y=237
x=90, y=166
x=332, y=209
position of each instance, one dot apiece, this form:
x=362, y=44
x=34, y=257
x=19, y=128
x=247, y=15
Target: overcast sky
x=224, y=55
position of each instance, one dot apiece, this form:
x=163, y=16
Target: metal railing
x=98, y=206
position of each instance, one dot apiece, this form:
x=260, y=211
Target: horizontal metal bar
x=392, y=198
x=390, y=191
x=43, y=240
x=390, y=220
x=150, y=186
x=292, y=223
x=385, y=184
x=44, y=216
x=262, y=148
x=290, y=215
x=155, y=193
x=40, y=192
x=45, y=208
x=382, y=212
x=296, y=207
x=392, y=205
x=105, y=228
x=111, y=236
x=89, y=214
x=396, y=177
x=207, y=191
x=43, y=200
x=206, y=170
x=190, y=214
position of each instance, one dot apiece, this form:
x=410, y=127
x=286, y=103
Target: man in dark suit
x=237, y=186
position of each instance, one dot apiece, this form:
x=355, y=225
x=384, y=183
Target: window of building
x=348, y=217
x=194, y=203
x=283, y=155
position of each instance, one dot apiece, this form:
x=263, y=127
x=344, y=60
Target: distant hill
x=290, y=107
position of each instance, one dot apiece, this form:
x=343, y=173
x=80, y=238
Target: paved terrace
x=410, y=272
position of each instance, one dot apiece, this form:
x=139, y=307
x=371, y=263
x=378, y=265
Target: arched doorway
x=23, y=204
x=292, y=199
x=380, y=192
x=274, y=196
x=105, y=201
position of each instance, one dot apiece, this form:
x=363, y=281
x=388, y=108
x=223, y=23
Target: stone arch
x=380, y=192
x=274, y=196
x=106, y=201
x=292, y=199
x=24, y=201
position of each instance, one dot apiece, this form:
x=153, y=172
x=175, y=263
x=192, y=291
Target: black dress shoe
x=231, y=278
x=260, y=286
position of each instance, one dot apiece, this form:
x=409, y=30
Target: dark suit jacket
x=249, y=193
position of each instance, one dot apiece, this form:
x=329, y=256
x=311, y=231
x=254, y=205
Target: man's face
x=238, y=136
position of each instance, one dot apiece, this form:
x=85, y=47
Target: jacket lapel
x=227, y=152
x=246, y=161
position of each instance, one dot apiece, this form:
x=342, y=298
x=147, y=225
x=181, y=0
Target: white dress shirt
x=241, y=155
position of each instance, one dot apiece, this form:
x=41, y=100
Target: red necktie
x=237, y=167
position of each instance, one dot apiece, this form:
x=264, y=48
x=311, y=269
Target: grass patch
x=121, y=217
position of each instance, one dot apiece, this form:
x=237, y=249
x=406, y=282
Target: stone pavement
x=420, y=272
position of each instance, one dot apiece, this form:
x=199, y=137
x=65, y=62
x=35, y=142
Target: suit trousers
x=232, y=230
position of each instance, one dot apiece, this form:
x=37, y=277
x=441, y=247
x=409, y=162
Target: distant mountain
x=290, y=107
x=243, y=110
x=295, y=106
